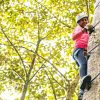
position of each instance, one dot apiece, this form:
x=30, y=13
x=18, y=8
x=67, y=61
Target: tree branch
x=37, y=47
x=18, y=75
x=36, y=73
x=56, y=80
x=15, y=50
x=53, y=66
x=51, y=86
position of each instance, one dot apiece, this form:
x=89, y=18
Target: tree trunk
x=24, y=91
x=94, y=60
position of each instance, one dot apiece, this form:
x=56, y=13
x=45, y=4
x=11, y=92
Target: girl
x=81, y=37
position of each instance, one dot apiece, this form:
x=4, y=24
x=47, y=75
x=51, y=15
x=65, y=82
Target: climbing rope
x=93, y=29
x=96, y=24
x=91, y=52
x=95, y=77
x=97, y=5
x=99, y=72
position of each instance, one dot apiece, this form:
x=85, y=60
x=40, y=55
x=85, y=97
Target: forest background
x=36, y=48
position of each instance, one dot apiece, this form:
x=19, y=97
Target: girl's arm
x=78, y=33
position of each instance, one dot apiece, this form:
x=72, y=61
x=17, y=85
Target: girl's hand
x=84, y=30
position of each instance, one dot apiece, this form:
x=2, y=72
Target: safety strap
x=95, y=77
x=89, y=52
x=92, y=50
x=89, y=56
x=96, y=24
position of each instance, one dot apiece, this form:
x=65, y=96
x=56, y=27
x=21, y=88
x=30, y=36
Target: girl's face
x=83, y=22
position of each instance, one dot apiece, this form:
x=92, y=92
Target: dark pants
x=81, y=61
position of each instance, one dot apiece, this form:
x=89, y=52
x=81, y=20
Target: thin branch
x=53, y=66
x=18, y=75
x=55, y=79
x=51, y=86
x=14, y=49
x=36, y=73
x=37, y=47
x=38, y=42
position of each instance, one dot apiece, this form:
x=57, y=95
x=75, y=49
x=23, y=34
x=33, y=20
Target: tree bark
x=94, y=60
x=24, y=91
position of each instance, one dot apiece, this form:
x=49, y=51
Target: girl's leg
x=82, y=61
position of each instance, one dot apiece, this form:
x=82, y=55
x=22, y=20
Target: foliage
x=38, y=31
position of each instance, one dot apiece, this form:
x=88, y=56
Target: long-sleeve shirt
x=81, y=38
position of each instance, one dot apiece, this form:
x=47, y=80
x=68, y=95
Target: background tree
x=36, y=47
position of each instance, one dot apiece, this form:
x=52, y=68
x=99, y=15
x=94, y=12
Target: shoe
x=84, y=82
x=80, y=96
x=88, y=85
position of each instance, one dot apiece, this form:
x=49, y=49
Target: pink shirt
x=80, y=38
